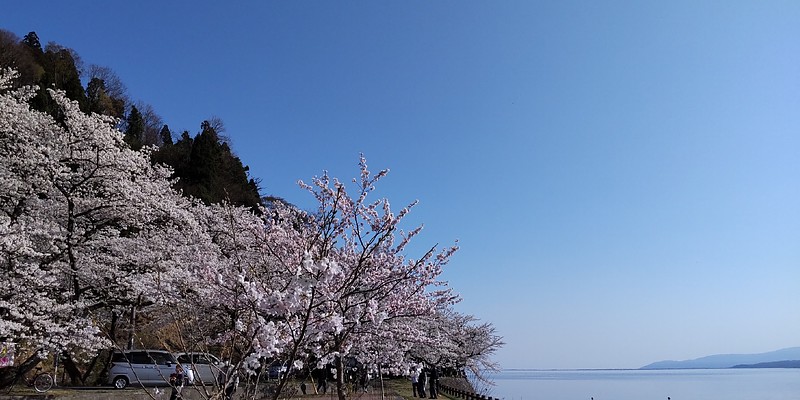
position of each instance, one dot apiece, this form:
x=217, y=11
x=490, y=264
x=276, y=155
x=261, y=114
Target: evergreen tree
x=208, y=170
x=135, y=129
x=19, y=57
x=113, y=88
x=175, y=155
x=32, y=41
x=61, y=73
x=166, y=136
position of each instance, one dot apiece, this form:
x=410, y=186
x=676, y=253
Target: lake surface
x=698, y=384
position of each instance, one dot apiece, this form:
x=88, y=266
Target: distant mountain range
x=784, y=358
x=772, y=364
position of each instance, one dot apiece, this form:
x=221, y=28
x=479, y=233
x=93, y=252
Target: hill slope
x=728, y=360
x=772, y=364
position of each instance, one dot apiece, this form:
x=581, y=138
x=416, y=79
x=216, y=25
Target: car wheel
x=120, y=382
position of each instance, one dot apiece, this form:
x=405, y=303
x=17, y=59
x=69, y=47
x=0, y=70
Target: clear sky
x=623, y=176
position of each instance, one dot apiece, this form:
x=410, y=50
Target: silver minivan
x=145, y=367
x=206, y=366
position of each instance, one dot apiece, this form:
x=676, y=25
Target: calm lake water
x=703, y=384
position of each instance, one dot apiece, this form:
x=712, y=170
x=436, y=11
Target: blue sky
x=622, y=175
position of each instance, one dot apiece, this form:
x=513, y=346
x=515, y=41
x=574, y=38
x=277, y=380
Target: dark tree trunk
x=340, y=385
x=91, y=366
x=72, y=369
x=112, y=330
x=103, y=375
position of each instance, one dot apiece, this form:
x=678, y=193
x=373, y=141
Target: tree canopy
x=107, y=226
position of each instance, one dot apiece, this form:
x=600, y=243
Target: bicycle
x=41, y=381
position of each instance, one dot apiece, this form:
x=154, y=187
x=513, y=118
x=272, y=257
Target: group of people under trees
x=425, y=376
x=424, y=379
x=359, y=376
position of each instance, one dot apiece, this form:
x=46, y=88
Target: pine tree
x=62, y=72
x=60, y=66
x=32, y=40
x=166, y=136
x=208, y=170
x=135, y=129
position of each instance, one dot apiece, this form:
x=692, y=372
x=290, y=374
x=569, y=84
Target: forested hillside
x=205, y=165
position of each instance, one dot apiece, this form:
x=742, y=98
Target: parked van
x=206, y=366
x=145, y=367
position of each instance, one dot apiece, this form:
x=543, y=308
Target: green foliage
x=208, y=170
x=135, y=129
x=60, y=73
x=98, y=100
x=205, y=166
x=166, y=136
x=32, y=41
x=19, y=57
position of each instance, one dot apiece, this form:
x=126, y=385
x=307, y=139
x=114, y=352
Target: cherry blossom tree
x=87, y=225
x=320, y=287
x=349, y=275
x=35, y=312
x=458, y=343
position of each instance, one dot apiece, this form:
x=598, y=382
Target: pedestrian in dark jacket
x=176, y=381
x=321, y=375
x=434, y=382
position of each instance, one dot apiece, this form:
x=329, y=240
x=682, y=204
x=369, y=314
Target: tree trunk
x=340, y=385
x=112, y=330
x=380, y=375
x=71, y=368
x=129, y=345
x=112, y=335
